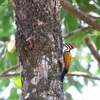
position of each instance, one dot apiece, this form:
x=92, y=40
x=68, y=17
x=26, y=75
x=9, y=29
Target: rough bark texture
x=39, y=44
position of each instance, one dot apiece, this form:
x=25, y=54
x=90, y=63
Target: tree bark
x=39, y=45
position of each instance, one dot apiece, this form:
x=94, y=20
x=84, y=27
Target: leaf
x=4, y=83
x=86, y=1
x=86, y=81
x=70, y=80
x=69, y=96
x=98, y=42
x=6, y=27
x=65, y=85
x=86, y=57
x=4, y=63
x=98, y=2
x=87, y=8
x=70, y=22
x=98, y=71
x=79, y=1
x=78, y=37
x=11, y=46
x=17, y=82
x=13, y=94
x=78, y=86
x=12, y=57
x=1, y=1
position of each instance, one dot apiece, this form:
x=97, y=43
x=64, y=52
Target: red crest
x=71, y=46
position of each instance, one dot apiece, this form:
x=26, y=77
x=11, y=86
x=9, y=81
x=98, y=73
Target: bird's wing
x=67, y=59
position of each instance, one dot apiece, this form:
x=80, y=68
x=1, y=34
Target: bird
x=67, y=58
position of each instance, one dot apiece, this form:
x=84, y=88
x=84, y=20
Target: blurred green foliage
x=8, y=53
x=82, y=59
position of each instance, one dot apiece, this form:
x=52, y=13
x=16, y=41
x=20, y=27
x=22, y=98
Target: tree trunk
x=39, y=44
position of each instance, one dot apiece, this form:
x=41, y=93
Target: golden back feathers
x=67, y=59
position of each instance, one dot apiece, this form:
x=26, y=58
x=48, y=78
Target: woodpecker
x=67, y=58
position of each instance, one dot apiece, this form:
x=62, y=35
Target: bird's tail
x=65, y=71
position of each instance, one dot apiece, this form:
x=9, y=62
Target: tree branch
x=10, y=75
x=8, y=70
x=77, y=31
x=93, y=49
x=67, y=6
x=78, y=74
x=81, y=74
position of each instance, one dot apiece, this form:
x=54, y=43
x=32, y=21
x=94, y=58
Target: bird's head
x=70, y=46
